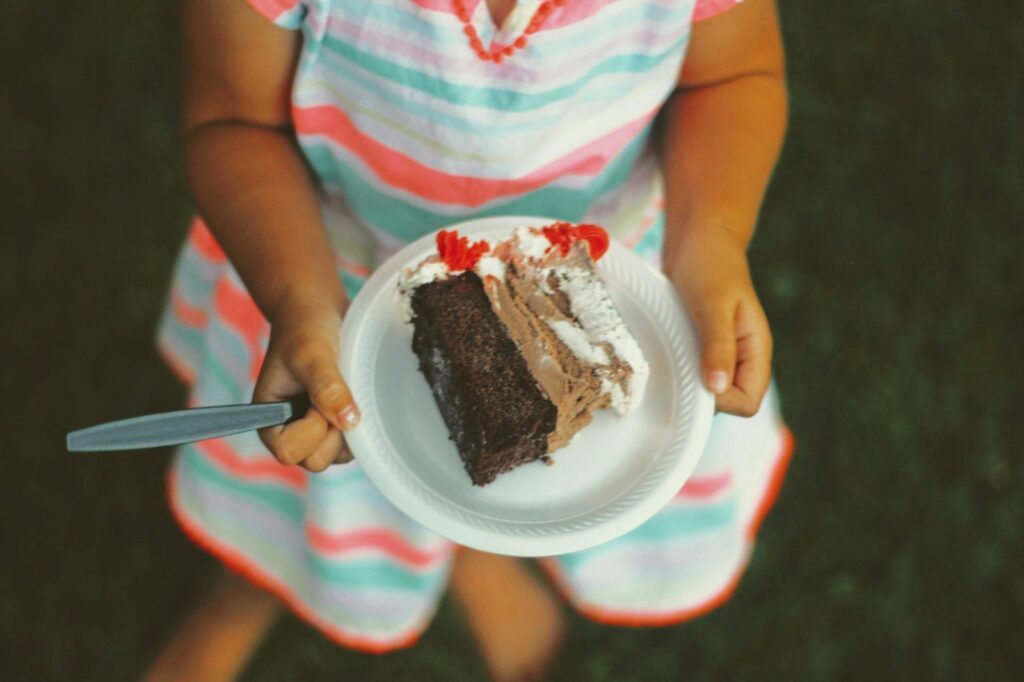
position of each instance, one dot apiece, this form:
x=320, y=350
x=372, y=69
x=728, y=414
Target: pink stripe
x=242, y=564
x=272, y=9
x=262, y=469
x=445, y=6
x=202, y=240
x=188, y=315
x=237, y=310
x=634, y=619
x=384, y=540
x=705, y=9
x=405, y=173
x=572, y=12
x=353, y=268
x=697, y=488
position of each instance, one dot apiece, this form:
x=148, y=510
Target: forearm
x=720, y=143
x=256, y=194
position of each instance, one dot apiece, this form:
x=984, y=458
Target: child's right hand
x=303, y=358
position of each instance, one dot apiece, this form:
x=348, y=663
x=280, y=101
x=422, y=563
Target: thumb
x=716, y=327
x=316, y=369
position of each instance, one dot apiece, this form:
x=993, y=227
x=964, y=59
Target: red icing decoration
x=597, y=238
x=456, y=252
x=562, y=235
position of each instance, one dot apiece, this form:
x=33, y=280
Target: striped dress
x=408, y=131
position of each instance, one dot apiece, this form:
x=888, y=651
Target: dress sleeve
x=284, y=13
x=705, y=9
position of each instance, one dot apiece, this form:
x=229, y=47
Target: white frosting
x=490, y=265
x=620, y=402
x=602, y=324
x=532, y=242
x=577, y=341
x=428, y=271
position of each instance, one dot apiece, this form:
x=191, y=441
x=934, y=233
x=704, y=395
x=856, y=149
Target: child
x=319, y=142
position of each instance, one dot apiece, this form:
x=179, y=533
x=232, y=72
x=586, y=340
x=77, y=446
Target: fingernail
x=349, y=417
x=718, y=382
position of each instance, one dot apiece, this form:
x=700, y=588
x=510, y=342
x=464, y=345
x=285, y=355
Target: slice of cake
x=520, y=342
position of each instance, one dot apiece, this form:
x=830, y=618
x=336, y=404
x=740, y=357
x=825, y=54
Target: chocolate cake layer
x=494, y=409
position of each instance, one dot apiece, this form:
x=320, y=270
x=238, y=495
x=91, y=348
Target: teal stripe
x=353, y=283
x=669, y=524
x=652, y=240
x=376, y=572
x=283, y=500
x=291, y=18
x=407, y=222
x=228, y=353
x=193, y=261
x=216, y=385
x=181, y=336
x=293, y=570
x=355, y=483
x=175, y=340
x=676, y=521
x=196, y=291
x=279, y=499
x=357, y=83
x=213, y=382
x=496, y=98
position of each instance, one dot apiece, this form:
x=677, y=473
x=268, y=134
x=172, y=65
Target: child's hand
x=712, y=276
x=303, y=358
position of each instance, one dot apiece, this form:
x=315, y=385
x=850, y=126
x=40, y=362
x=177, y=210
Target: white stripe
x=509, y=156
x=331, y=69
x=659, y=578
x=527, y=72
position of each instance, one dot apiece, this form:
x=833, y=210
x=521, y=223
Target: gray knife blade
x=184, y=426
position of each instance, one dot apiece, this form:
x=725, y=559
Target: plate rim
x=399, y=484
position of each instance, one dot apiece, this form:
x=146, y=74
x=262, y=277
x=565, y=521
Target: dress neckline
x=493, y=43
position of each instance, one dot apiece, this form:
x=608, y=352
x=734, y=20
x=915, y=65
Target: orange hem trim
x=611, y=617
x=255, y=575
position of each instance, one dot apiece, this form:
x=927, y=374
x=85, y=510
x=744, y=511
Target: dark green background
x=889, y=258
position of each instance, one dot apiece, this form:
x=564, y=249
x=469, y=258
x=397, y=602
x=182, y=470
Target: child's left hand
x=710, y=272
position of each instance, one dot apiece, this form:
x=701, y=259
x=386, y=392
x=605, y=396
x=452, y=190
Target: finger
x=345, y=456
x=753, y=362
x=326, y=452
x=753, y=352
x=736, y=402
x=300, y=439
x=316, y=366
x=716, y=325
x=275, y=383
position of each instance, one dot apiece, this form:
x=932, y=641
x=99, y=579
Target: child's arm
x=722, y=135
x=257, y=196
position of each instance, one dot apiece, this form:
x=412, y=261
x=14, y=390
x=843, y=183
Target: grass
x=889, y=258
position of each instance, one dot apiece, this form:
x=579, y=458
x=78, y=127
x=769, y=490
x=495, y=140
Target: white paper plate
x=615, y=475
